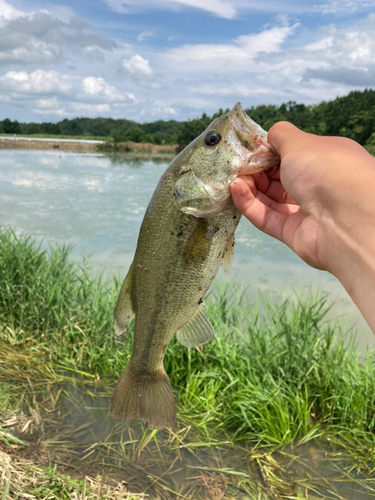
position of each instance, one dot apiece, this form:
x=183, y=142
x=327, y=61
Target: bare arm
x=321, y=203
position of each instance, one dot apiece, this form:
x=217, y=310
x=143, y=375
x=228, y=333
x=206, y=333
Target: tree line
x=351, y=116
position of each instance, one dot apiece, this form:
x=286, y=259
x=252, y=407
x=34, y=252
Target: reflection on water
x=97, y=202
x=167, y=465
x=319, y=465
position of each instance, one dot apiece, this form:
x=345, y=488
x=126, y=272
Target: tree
x=33, y=128
x=191, y=129
x=360, y=126
x=10, y=127
x=135, y=134
x=117, y=135
x=370, y=144
x=50, y=128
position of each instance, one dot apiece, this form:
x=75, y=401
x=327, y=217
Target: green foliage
x=275, y=372
x=58, y=485
x=50, y=128
x=370, y=144
x=351, y=116
x=191, y=129
x=33, y=128
x=46, y=297
x=10, y=127
x=135, y=134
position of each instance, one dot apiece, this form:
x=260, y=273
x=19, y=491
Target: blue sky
x=175, y=59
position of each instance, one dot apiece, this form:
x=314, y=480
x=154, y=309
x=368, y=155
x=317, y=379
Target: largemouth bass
x=186, y=233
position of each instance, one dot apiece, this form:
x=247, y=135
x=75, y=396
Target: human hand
x=320, y=201
x=314, y=182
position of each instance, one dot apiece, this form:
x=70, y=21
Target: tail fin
x=145, y=397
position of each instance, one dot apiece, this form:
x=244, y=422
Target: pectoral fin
x=197, y=247
x=197, y=331
x=124, y=311
x=226, y=263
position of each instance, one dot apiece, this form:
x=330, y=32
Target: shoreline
x=133, y=149
x=75, y=147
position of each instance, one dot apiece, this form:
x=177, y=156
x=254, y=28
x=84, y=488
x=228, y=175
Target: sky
x=175, y=59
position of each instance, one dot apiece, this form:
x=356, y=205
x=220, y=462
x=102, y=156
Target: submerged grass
x=277, y=374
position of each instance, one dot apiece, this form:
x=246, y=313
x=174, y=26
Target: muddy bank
x=75, y=147
x=133, y=148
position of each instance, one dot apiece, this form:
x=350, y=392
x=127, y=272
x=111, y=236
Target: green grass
x=23, y=480
x=274, y=370
x=277, y=374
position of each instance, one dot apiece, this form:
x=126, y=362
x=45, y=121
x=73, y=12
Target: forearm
x=352, y=263
x=348, y=231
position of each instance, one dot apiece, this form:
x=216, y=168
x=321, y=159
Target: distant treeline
x=351, y=116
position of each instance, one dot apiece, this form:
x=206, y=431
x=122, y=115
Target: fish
x=187, y=232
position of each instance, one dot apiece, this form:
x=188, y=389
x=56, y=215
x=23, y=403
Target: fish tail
x=146, y=397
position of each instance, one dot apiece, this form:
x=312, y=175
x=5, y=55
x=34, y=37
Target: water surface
x=97, y=203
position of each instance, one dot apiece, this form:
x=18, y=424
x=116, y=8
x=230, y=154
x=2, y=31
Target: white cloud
x=8, y=12
x=51, y=103
x=37, y=82
x=137, y=67
x=345, y=6
x=350, y=48
x=219, y=8
x=38, y=36
x=98, y=87
x=35, y=52
x=98, y=75
x=145, y=35
x=227, y=9
x=225, y=90
x=266, y=41
x=93, y=108
x=158, y=108
x=227, y=57
x=49, y=107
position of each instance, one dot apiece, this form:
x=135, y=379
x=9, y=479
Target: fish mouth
x=249, y=140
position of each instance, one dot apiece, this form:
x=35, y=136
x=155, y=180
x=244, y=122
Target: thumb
x=283, y=136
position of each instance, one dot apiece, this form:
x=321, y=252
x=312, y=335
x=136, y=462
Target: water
x=97, y=202
x=81, y=435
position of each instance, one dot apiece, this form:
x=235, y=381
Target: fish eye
x=212, y=138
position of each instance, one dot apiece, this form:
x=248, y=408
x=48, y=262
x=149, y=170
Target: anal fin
x=124, y=311
x=197, y=330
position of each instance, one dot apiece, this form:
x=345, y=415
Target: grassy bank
x=276, y=376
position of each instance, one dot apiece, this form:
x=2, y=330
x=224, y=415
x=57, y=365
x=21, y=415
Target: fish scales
x=165, y=297
x=186, y=233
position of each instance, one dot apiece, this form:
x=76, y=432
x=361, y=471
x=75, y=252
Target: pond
x=96, y=203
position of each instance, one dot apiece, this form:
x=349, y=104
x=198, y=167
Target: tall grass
x=274, y=373
x=47, y=299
